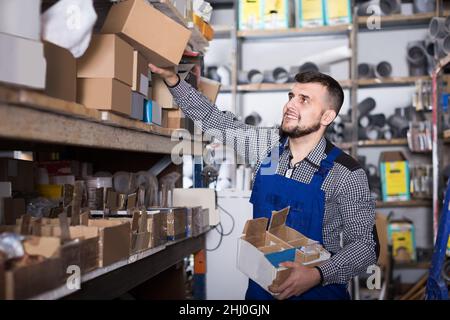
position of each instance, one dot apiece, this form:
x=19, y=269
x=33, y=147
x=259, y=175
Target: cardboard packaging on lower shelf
x=155, y=225
x=40, y=270
x=89, y=243
x=61, y=77
x=261, y=250
x=174, y=222
x=198, y=220
x=104, y=94
x=22, y=61
x=115, y=240
x=209, y=88
x=173, y=119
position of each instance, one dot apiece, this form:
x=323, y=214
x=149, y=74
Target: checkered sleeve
x=250, y=142
x=357, y=209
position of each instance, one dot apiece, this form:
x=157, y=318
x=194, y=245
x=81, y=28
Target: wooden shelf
x=261, y=87
x=399, y=20
x=392, y=81
x=382, y=143
x=114, y=280
x=406, y=204
x=197, y=41
x=412, y=265
x=35, y=117
x=292, y=32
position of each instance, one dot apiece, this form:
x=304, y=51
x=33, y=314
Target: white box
x=22, y=61
x=260, y=251
x=21, y=18
x=206, y=198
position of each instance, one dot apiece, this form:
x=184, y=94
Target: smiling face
x=308, y=110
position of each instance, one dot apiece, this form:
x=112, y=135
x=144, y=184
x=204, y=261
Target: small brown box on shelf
x=173, y=119
x=155, y=225
x=61, y=76
x=105, y=94
x=174, y=222
x=115, y=240
x=108, y=56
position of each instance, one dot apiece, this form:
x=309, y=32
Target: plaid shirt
x=348, y=227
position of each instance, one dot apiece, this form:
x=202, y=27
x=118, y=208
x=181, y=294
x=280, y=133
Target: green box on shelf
x=394, y=175
x=250, y=14
x=337, y=12
x=311, y=13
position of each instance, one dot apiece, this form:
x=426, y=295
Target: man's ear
x=328, y=117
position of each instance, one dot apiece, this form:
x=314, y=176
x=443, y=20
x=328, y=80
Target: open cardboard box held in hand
x=261, y=250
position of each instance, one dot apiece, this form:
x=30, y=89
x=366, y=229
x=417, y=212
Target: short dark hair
x=333, y=87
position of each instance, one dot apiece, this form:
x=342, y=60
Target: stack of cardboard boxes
x=21, y=50
x=113, y=73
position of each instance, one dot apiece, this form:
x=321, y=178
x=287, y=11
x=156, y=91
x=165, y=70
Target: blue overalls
x=307, y=207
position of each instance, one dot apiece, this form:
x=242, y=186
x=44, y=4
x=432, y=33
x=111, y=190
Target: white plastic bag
x=69, y=24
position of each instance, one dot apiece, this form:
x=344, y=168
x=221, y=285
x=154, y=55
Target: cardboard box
x=19, y=172
x=159, y=38
x=209, y=88
x=401, y=235
x=137, y=106
x=174, y=222
x=381, y=222
x=173, y=119
x=115, y=240
x=276, y=14
x=155, y=227
x=89, y=243
x=153, y=113
x=250, y=14
x=61, y=77
x=108, y=56
x=260, y=251
x=19, y=22
x=140, y=74
x=22, y=61
x=337, y=12
x=105, y=94
x=310, y=13
x=41, y=271
x=394, y=175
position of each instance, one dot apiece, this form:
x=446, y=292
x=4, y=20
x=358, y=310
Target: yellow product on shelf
x=276, y=14
x=250, y=14
x=50, y=191
x=394, y=174
x=310, y=13
x=207, y=31
x=337, y=12
x=402, y=237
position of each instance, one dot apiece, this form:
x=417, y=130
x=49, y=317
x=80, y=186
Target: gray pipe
x=363, y=7
x=424, y=6
x=443, y=47
x=309, y=66
x=383, y=70
x=366, y=70
x=369, y=133
x=374, y=120
x=366, y=106
x=399, y=125
x=251, y=76
x=417, y=58
x=277, y=75
x=389, y=7
x=437, y=28
x=387, y=134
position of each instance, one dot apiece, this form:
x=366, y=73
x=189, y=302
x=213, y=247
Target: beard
x=298, y=131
